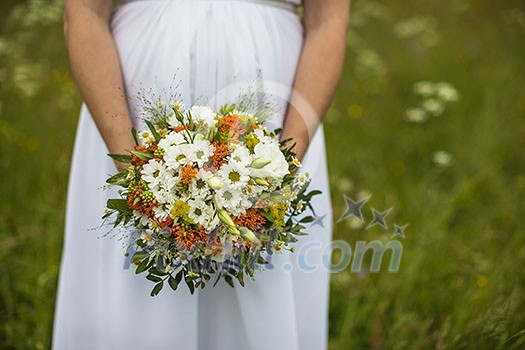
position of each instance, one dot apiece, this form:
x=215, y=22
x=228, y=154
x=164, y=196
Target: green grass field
x=453, y=171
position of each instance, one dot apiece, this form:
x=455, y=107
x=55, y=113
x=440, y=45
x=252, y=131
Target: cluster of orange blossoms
x=187, y=237
x=250, y=219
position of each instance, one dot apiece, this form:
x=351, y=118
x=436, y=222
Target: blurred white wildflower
x=363, y=194
x=37, y=13
x=364, y=12
x=421, y=28
x=435, y=98
x=442, y=158
x=23, y=69
x=433, y=106
x=447, y=92
x=370, y=62
x=342, y=278
x=345, y=185
x=354, y=223
x=424, y=88
x=27, y=78
x=416, y=115
x=370, y=67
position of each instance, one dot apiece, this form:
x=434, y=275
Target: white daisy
x=152, y=172
x=175, y=156
x=144, y=220
x=213, y=222
x=202, y=151
x=203, y=114
x=199, y=187
x=200, y=211
x=234, y=174
x=228, y=197
x=242, y=155
x=178, y=105
x=161, y=214
x=172, y=139
x=145, y=137
x=147, y=237
x=163, y=195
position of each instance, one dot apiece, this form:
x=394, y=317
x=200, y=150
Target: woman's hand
x=96, y=68
x=319, y=69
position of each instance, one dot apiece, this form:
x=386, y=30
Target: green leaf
x=153, y=130
x=153, y=278
x=313, y=193
x=123, y=158
x=141, y=155
x=229, y=280
x=190, y=285
x=307, y=219
x=118, y=204
x=108, y=214
x=139, y=256
x=156, y=290
x=173, y=283
x=157, y=272
x=118, y=220
x=118, y=179
x=240, y=277
x=178, y=278
x=143, y=266
x=135, y=138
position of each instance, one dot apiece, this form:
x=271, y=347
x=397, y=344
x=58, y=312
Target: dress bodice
x=278, y=3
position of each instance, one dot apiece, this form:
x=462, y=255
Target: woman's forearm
x=96, y=68
x=319, y=69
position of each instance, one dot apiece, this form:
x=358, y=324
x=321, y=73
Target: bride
x=208, y=45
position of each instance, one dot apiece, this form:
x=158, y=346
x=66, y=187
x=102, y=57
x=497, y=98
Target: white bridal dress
x=207, y=45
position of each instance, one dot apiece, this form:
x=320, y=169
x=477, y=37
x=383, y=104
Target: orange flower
x=246, y=246
x=187, y=237
x=180, y=127
x=226, y=122
x=166, y=223
x=251, y=219
x=141, y=206
x=188, y=174
x=221, y=151
x=153, y=147
x=136, y=160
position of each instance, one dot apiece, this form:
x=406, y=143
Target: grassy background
x=461, y=280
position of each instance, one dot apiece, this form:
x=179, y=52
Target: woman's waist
x=285, y=5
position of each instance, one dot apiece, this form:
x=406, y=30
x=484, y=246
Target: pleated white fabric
x=201, y=49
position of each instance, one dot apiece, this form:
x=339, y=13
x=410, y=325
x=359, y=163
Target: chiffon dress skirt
x=199, y=49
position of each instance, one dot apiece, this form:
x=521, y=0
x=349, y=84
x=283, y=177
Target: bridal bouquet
x=207, y=194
